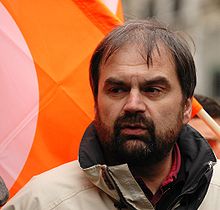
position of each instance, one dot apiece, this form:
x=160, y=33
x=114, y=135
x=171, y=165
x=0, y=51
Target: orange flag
x=46, y=102
x=197, y=109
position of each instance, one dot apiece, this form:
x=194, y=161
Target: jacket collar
x=90, y=152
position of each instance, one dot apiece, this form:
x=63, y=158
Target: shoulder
x=49, y=189
x=212, y=198
x=214, y=186
x=216, y=174
x=67, y=178
x=215, y=180
x=69, y=174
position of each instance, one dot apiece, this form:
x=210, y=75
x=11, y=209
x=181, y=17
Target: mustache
x=134, y=120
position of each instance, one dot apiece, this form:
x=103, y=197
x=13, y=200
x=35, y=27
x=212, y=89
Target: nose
x=134, y=102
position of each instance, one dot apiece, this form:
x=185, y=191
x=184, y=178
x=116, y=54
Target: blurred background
x=200, y=19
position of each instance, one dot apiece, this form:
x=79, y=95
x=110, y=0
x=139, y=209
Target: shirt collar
x=176, y=163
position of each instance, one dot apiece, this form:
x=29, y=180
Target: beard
x=145, y=149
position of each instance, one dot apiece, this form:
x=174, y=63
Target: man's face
x=139, y=110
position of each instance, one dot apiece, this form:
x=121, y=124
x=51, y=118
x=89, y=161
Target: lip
x=133, y=125
x=133, y=131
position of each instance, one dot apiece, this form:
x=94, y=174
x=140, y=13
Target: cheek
x=108, y=111
x=167, y=117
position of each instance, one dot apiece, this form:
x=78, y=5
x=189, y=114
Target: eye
x=117, y=90
x=152, y=91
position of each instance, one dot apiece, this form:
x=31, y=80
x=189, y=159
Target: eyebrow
x=114, y=81
x=157, y=80
x=154, y=81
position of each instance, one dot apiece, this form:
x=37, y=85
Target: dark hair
x=146, y=34
x=210, y=105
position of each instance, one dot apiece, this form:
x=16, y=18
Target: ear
x=187, y=111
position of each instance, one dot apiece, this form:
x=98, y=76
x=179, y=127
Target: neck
x=154, y=176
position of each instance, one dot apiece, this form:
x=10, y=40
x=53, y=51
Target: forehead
x=130, y=60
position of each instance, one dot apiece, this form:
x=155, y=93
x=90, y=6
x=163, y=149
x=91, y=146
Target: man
x=139, y=152
x=213, y=109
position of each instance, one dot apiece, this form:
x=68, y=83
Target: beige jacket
x=94, y=186
x=67, y=188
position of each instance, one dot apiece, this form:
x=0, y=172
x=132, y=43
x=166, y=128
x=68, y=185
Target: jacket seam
x=59, y=201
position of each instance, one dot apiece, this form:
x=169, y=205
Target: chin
x=134, y=144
